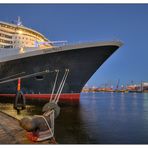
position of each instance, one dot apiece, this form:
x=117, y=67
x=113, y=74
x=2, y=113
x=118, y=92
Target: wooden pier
x=12, y=133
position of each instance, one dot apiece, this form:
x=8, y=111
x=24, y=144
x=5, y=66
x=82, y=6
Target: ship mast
x=19, y=23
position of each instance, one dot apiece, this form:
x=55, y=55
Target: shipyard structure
x=139, y=88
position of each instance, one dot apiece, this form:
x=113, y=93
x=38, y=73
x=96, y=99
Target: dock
x=12, y=133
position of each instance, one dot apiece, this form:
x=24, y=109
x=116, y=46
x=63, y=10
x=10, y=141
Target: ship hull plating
x=82, y=64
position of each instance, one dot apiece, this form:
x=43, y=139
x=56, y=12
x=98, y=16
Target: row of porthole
x=24, y=30
x=24, y=38
x=19, y=42
x=5, y=46
x=5, y=41
x=6, y=36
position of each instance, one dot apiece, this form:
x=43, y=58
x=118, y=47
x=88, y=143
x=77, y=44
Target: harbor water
x=99, y=118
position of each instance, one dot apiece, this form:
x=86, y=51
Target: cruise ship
x=45, y=67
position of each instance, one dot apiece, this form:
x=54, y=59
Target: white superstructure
x=18, y=36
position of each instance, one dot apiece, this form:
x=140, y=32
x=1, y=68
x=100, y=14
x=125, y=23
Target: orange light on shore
x=19, y=84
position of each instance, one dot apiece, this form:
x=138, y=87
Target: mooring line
x=59, y=86
x=57, y=99
x=12, y=76
x=57, y=73
x=27, y=76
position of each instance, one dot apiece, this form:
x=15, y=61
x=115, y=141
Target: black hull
x=82, y=64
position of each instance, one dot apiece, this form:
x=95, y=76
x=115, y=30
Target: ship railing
x=5, y=52
x=71, y=43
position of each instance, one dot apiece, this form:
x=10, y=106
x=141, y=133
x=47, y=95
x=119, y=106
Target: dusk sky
x=94, y=22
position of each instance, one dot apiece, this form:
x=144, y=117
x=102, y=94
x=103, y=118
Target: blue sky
x=94, y=22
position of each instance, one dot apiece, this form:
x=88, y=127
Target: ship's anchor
x=20, y=101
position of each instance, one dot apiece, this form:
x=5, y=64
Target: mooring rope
x=27, y=76
x=57, y=73
x=60, y=86
x=57, y=99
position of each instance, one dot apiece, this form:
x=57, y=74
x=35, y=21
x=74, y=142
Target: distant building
x=145, y=86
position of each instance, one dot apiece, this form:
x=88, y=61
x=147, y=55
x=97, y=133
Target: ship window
x=8, y=46
x=4, y=41
x=6, y=36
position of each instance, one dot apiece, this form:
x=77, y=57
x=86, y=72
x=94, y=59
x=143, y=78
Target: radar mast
x=19, y=23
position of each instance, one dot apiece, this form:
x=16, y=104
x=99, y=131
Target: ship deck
x=14, y=53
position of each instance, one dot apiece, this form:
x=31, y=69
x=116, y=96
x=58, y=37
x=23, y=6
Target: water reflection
x=145, y=106
x=145, y=96
x=119, y=117
x=122, y=104
x=134, y=101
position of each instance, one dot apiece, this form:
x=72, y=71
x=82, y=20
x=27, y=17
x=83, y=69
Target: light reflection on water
x=120, y=118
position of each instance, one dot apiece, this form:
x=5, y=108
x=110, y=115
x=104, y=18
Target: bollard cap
x=51, y=106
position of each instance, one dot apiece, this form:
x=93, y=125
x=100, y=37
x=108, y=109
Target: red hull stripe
x=70, y=96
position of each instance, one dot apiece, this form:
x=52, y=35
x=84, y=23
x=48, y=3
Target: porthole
x=40, y=77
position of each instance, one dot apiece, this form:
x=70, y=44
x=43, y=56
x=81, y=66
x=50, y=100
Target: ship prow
x=27, y=55
x=82, y=61
x=93, y=44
